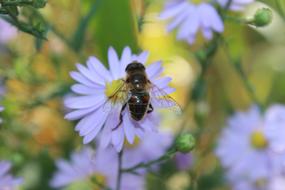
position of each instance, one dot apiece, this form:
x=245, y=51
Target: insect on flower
x=137, y=92
x=118, y=102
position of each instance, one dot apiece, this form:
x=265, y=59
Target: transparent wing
x=119, y=97
x=160, y=99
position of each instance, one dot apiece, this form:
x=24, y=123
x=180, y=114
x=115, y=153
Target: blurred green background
x=36, y=76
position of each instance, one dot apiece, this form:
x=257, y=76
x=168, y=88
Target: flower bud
x=262, y=17
x=185, y=143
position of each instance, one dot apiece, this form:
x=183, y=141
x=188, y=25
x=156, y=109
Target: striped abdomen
x=138, y=104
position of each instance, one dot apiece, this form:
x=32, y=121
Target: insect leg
x=150, y=109
x=121, y=117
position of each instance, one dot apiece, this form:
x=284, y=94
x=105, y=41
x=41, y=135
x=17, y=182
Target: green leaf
x=79, y=34
x=13, y=11
x=115, y=26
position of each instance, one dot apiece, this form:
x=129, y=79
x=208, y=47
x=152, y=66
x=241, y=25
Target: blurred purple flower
x=277, y=183
x=275, y=127
x=189, y=18
x=7, y=31
x=244, y=185
x=274, y=183
x=7, y=181
x=151, y=147
x=235, y=5
x=103, y=163
x=93, y=88
x=183, y=161
x=235, y=148
x=248, y=148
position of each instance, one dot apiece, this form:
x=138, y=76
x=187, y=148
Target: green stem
x=60, y=36
x=235, y=19
x=238, y=67
x=79, y=34
x=168, y=155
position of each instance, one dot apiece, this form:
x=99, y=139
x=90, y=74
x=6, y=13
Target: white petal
x=207, y=33
x=64, y=166
x=5, y=167
x=90, y=122
x=85, y=101
x=85, y=90
x=191, y=39
x=141, y=58
x=118, y=138
x=106, y=135
x=114, y=63
x=74, y=115
x=214, y=19
x=88, y=74
x=154, y=70
x=162, y=82
x=88, y=138
x=97, y=67
x=178, y=20
x=126, y=58
x=129, y=128
x=190, y=25
x=82, y=79
x=112, y=121
x=174, y=10
x=146, y=124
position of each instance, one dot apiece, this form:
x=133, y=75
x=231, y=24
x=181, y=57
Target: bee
x=137, y=93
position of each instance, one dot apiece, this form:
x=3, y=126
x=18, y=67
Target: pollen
x=98, y=181
x=258, y=140
x=113, y=87
x=134, y=145
x=196, y=1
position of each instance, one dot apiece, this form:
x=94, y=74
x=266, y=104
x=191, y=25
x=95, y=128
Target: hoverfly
x=138, y=93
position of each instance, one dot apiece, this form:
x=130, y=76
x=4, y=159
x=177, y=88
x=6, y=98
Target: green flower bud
x=262, y=17
x=185, y=143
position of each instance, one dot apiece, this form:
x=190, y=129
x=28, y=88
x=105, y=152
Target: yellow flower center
x=113, y=87
x=196, y=1
x=98, y=181
x=134, y=145
x=261, y=183
x=258, y=140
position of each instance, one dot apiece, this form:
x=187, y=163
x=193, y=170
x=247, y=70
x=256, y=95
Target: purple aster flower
x=248, y=148
x=7, y=31
x=275, y=127
x=235, y=5
x=96, y=84
x=277, y=183
x=7, y=181
x=190, y=18
x=103, y=164
x=237, y=150
x=274, y=183
x=243, y=185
